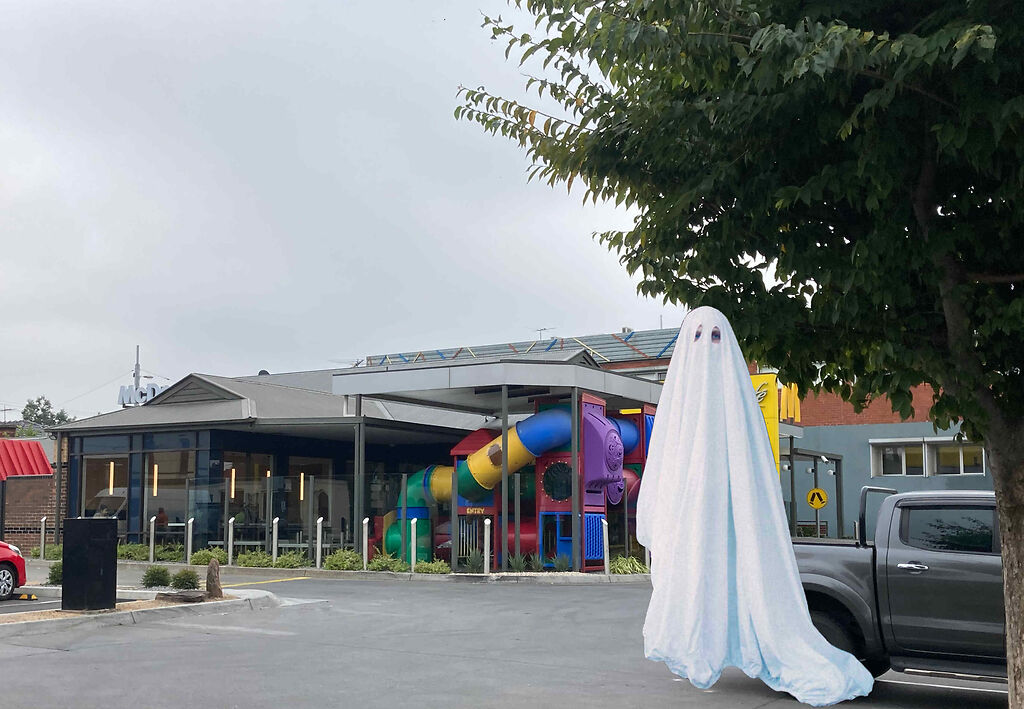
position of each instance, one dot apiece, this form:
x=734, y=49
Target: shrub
x=627, y=565
x=517, y=563
x=168, y=552
x=475, y=562
x=156, y=576
x=203, y=556
x=133, y=552
x=534, y=562
x=437, y=566
x=185, y=579
x=385, y=562
x=54, y=552
x=256, y=558
x=562, y=563
x=291, y=560
x=344, y=560
x=56, y=577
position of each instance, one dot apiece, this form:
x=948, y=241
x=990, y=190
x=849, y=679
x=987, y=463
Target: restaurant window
x=300, y=499
x=105, y=489
x=246, y=477
x=169, y=493
x=953, y=458
x=897, y=459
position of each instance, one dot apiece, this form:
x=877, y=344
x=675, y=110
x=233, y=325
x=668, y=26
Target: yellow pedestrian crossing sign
x=817, y=498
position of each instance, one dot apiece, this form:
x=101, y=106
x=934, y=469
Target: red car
x=12, y=570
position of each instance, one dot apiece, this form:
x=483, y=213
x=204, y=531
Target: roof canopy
x=22, y=458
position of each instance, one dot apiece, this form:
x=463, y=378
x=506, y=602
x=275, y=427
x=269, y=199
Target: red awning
x=22, y=458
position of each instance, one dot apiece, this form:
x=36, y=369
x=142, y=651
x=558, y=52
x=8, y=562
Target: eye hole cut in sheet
x=726, y=587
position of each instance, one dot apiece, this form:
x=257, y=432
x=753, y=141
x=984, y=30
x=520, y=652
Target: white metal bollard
x=366, y=543
x=42, y=538
x=319, y=539
x=273, y=551
x=188, y=539
x=412, y=528
x=647, y=558
x=231, y=540
x=487, y=545
x=152, y=538
x=604, y=540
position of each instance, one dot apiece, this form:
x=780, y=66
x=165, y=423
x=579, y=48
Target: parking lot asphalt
x=370, y=643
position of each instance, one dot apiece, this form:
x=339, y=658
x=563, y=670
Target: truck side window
x=946, y=528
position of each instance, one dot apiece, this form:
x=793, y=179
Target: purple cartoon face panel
x=602, y=455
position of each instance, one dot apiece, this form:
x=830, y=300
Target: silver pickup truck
x=925, y=597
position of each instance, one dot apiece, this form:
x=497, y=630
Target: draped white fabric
x=726, y=587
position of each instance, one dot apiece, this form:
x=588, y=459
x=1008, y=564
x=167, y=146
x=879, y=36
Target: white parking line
x=13, y=604
x=945, y=686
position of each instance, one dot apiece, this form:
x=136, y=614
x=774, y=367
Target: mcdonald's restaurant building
x=333, y=445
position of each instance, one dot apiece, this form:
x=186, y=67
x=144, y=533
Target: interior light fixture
x=232, y=483
x=302, y=486
x=268, y=473
x=156, y=477
x=110, y=486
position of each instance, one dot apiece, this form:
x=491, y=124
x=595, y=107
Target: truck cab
x=926, y=596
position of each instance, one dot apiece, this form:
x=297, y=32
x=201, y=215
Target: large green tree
x=843, y=180
x=40, y=411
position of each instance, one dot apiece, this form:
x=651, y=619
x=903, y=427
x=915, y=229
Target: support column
x=516, y=503
x=403, y=495
x=817, y=513
x=576, y=482
x=359, y=474
x=454, y=520
x=504, y=478
x=839, y=498
x=792, y=489
x=58, y=479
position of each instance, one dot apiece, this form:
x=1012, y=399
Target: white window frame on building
x=929, y=452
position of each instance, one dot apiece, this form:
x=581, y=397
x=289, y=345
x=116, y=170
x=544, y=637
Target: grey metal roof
x=475, y=386
x=203, y=399
x=636, y=345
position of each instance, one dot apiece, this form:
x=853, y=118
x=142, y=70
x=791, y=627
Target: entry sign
x=817, y=498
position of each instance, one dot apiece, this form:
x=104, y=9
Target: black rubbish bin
x=90, y=564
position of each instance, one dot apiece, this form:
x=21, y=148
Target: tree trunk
x=1007, y=452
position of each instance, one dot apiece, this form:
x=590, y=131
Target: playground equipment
x=539, y=450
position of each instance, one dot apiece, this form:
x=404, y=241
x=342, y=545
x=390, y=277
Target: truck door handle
x=912, y=567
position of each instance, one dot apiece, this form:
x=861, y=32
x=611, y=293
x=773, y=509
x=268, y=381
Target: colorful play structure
x=612, y=452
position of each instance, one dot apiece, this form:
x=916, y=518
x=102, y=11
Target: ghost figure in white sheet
x=726, y=587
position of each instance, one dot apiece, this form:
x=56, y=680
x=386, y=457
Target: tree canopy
x=40, y=411
x=842, y=180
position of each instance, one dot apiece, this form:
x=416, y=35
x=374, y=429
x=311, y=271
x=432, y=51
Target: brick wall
x=826, y=409
x=28, y=498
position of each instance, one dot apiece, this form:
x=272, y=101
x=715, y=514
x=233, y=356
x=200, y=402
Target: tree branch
x=996, y=277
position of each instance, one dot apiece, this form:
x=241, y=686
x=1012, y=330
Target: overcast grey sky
x=253, y=184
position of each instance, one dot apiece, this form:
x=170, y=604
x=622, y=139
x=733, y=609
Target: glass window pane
x=973, y=459
x=106, y=444
x=169, y=494
x=245, y=478
x=915, y=459
x=169, y=441
x=947, y=459
x=298, y=492
x=950, y=528
x=105, y=489
x=892, y=462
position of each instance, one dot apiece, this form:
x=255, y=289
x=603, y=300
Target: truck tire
x=838, y=636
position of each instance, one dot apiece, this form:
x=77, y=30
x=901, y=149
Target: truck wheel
x=7, y=581
x=833, y=631
x=838, y=636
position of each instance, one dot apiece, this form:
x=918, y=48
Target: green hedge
x=186, y=579
x=383, y=561
x=156, y=576
x=255, y=559
x=203, y=556
x=56, y=577
x=437, y=566
x=291, y=560
x=344, y=560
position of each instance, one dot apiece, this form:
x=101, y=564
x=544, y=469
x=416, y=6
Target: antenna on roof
x=541, y=331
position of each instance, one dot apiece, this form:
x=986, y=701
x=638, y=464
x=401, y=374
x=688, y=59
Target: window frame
x=929, y=448
x=904, y=526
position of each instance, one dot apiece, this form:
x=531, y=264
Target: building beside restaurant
x=334, y=444
x=27, y=492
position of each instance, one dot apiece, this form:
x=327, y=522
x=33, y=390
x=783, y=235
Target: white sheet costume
x=726, y=587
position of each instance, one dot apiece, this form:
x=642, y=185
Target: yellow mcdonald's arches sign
x=775, y=407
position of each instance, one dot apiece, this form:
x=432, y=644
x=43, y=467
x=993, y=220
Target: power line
x=95, y=389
